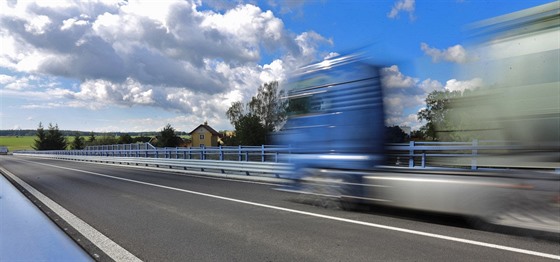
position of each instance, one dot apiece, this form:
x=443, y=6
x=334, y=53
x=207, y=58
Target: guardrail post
x=262, y=153
x=221, y=154
x=411, y=155
x=423, y=159
x=474, y=154
x=202, y=153
x=240, y=157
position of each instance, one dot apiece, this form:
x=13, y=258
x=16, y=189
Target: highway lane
x=157, y=215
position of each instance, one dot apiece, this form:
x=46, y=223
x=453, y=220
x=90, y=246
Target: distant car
x=3, y=150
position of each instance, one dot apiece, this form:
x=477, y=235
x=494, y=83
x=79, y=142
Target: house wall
x=208, y=140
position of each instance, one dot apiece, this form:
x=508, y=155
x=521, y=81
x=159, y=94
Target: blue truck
x=335, y=130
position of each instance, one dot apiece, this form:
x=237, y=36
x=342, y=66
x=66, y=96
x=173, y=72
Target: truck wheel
x=319, y=189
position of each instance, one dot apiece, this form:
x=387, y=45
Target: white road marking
x=112, y=249
x=403, y=230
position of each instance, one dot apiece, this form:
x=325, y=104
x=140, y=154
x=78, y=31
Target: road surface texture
x=154, y=215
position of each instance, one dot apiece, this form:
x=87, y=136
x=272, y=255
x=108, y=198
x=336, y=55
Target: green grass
x=17, y=142
x=22, y=142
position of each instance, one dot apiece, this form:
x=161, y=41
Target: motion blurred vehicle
x=335, y=130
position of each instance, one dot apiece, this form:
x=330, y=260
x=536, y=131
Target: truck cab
x=335, y=116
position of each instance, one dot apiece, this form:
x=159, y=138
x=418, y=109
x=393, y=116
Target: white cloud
x=402, y=94
x=164, y=44
x=69, y=23
x=396, y=105
x=455, y=54
x=50, y=105
x=27, y=83
x=104, y=92
x=18, y=85
x=289, y=6
x=430, y=85
x=393, y=78
x=405, y=94
x=273, y=71
x=331, y=55
x=309, y=41
x=166, y=54
x=403, y=6
x=37, y=25
x=456, y=85
x=5, y=79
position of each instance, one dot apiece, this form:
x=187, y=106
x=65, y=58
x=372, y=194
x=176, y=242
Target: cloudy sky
x=137, y=65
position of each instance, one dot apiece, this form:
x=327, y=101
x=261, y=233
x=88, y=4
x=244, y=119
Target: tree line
x=444, y=116
x=452, y=116
x=53, y=139
x=33, y=132
x=265, y=113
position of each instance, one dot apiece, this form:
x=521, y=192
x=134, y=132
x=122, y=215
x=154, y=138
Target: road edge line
x=108, y=246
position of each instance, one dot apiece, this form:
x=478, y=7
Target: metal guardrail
x=264, y=153
x=472, y=155
x=266, y=169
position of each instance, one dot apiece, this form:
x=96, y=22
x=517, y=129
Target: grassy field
x=22, y=142
x=17, y=142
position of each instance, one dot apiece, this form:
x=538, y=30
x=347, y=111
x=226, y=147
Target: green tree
x=125, y=139
x=229, y=139
x=78, y=143
x=235, y=112
x=250, y=131
x=40, y=141
x=105, y=140
x=436, y=114
x=417, y=135
x=268, y=107
x=168, y=138
x=141, y=139
x=91, y=138
x=395, y=134
x=459, y=116
x=54, y=139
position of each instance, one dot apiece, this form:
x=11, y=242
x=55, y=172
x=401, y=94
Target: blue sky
x=137, y=65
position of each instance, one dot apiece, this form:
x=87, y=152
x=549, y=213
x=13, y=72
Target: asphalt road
x=164, y=216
